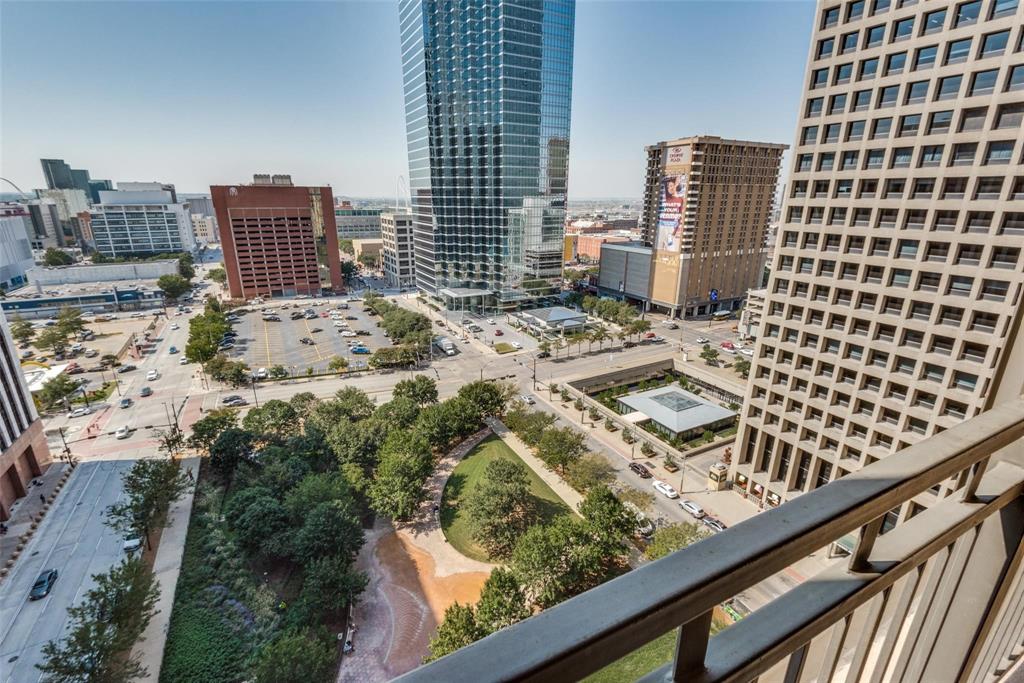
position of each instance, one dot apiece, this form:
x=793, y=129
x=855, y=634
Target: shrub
x=646, y=449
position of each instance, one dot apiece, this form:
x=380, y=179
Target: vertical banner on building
x=670, y=213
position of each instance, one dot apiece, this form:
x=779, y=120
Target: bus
x=721, y=315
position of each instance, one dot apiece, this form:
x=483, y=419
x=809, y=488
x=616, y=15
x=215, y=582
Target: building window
x=958, y=51
x=983, y=83
x=1015, y=81
x=909, y=125
x=973, y=119
x=849, y=42
x=895, y=63
x=949, y=88
x=967, y=13
x=1003, y=8
x=903, y=29
x=995, y=43
x=825, y=47
x=855, y=10
x=814, y=106
x=999, y=152
x=874, y=36
x=1010, y=115
x=916, y=92
x=819, y=78
x=843, y=73
x=868, y=68
x=837, y=104
x=931, y=155
x=881, y=127
x=830, y=17
x=963, y=154
x=933, y=22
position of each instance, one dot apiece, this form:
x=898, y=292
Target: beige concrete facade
x=397, y=257
x=896, y=280
x=707, y=205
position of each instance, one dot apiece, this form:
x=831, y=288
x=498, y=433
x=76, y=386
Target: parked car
x=640, y=470
x=125, y=402
x=665, y=489
x=183, y=361
x=715, y=525
x=363, y=333
x=643, y=525
x=650, y=335
x=498, y=333
x=306, y=340
x=228, y=400
x=315, y=330
x=80, y=412
x=132, y=545
x=152, y=375
x=693, y=508
x=125, y=368
x=490, y=321
x=728, y=345
x=174, y=326
x=543, y=354
x=41, y=588
x=224, y=346
x=361, y=350
x=74, y=369
x=145, y=391
x=670, y=325
x=516, y=345
x=173, y=350
x=351, y=317
x=91, y=353
x=122, y=432
x=703, y=340
x=749, y=353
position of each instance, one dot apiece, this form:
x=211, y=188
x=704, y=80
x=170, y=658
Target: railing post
x=973, y=478
x=691, y=648
x=868, y=535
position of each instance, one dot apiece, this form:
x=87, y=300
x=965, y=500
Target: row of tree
x=618, y=312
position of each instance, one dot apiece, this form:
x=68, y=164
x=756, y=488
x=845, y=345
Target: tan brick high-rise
x=895, y=292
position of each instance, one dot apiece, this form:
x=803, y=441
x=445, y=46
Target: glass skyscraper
x=488, y=86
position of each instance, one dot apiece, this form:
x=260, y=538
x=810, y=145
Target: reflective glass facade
x=488, y=86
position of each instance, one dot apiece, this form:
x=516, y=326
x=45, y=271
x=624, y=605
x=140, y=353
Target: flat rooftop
x=675, y=409
x=30, y=291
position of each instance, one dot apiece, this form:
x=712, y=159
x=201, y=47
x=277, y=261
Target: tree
x=278, y=372
x=329, y=584
x=186, y=269
x=205, y=332
x=173, y=285
x=232, y=447
x=490, y=398
x=331, y=528
x=261, y=526
x=588, y=472
x=609, y=521
x=709, y=355
x=671, y=538
x=643, y=500
x=557, y=561
x=369, y=260
x=57, y=389
x=458, y=629
x=528, y=425
x=420, y=388
x=346, y=247
x=349, y=404
x=544, y=346
x=274, y=419
x=55, y=257
x=103, y=627
x=560, y=447
x=218, y=275
x=206, y=430
x=150, y=486
x=599, y=335
x=336, y=364
x=398, y=413
x=502, y=601
x=742, y=366
x=22, y=330
x=348, y=270
x=69, y=321
x=399, y=483
x=52, y=339
x=296, y=657
x=501, y=507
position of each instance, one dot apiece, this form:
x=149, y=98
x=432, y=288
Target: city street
x=73, y=540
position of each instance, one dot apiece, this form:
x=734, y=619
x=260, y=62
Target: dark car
x=41, y=588
x=363, y=333
x=125, y=368
x=315, y=330
x=641, y=470
x=126, y=402
x=145, y=391
x=713, y=524
x=307, y=341
x=351, y=317
x=543, y=354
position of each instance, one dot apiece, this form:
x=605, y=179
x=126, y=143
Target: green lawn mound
x=467, y=473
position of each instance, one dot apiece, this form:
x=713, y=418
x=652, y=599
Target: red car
x=498, y=333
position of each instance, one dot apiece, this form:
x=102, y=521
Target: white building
x=141, y=221
x=102, y=272
x=15, y=246
x=204, y=228
x=355, y=224
x=397, y=250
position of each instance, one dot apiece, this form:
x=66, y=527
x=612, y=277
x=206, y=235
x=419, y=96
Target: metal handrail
x=585, y=633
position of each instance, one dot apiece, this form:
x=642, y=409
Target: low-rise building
x=146, y=219
x=552, y=320
x=674, y=413
x=102, y=272
x=397, y=250
x=367, y=247
x=31, y=302
x=588, y=246
x=354, y=224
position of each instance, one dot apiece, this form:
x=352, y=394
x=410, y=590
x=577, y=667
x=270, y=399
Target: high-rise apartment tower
x=895, y=294
x=487, y=97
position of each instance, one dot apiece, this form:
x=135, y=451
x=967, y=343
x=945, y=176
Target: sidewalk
x=564, y=491
x=30, y=507
x=166, y=566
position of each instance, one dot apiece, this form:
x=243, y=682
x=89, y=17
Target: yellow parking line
x=266, y=340
x=316, y=347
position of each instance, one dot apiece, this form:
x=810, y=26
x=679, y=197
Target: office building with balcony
x=895, y=287
x=278, y=239
x=397, y=257
x=23, y=450
x=144, y=220
x=487, y=94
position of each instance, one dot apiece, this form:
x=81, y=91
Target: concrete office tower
x=894, y=304
x=278, y=239
x=46, y=230
x=707, y=206
x=357, y=224
x=15, y=247
x=147, y=220
x=23, y=450
x=200, y=205
x=60, y=176
x=204, y=228
x=397, y=257
x=487, y=90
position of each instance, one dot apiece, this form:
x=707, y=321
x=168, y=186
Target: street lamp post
x=254, y=396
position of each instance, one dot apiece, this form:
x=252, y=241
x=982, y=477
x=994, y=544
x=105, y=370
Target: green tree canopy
x=500, y=507
x=610, y=522
x=22, y=329
x=709, y=355
x=173, y=285
x=669, y=539
x=218, y=275
x=557, y=561
x=490, y=398
x=458, y=629
x=56, y=389
x=274, y=419
x=55, y=257
x=231, y=448
x=328, y=585
x=559, y=447
x=399, y=483
x=52, y=339
x=420, y=389
x=331, y=528
x=502, y=601
x=206, y=429
x=150, y=486
x=302, y=656
x=69, y=321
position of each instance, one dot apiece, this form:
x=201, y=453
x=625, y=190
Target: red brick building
x=278, y=239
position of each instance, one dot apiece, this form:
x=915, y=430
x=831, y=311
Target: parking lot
x=489, y=334
x=264, y=344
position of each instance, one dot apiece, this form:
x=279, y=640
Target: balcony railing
x=938, y=598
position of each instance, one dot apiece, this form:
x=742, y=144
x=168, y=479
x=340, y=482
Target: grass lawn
x=641, y=662
x=503, y=347
x=465, y=476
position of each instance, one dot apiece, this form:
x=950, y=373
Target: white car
x=183, y=361
x=749, y=353
x=348, y=333
x=664, y=489
x=122, y=432
x=79, y=412
x=528, y=400
x=516, y=345
x=152, y=375
x=490, y=321
x=703, y=340
x=340, y=323
x=696, y=510
x=729, y=350
x=174, y=326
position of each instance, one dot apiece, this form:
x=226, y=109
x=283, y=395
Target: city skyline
x=198, y=86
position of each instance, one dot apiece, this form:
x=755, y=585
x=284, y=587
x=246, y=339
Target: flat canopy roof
x=675, y=409
x=555, y=314
x=463, y=292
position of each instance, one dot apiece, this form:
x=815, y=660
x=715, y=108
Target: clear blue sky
x=201, y=92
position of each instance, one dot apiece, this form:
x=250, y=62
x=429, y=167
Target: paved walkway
x=38, y=499
x=567, y=493
x=166, y=567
